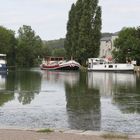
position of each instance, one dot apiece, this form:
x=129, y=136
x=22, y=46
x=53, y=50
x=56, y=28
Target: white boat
x=3, y=63
x=102, y=64
x=58, y=63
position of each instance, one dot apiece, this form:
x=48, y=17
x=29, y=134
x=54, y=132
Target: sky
x=48, y=18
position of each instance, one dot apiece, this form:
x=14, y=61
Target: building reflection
x=122, y=88
x=83, y=105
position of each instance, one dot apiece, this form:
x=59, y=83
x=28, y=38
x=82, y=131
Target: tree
x=29, y=47
x=8, y=44
x=83, y=30
x=127, y=45
x=68, y=42
x=59, y=52
x=46, y=50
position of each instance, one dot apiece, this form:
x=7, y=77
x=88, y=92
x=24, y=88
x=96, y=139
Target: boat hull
x=60, y=68
x=112, y=67
x=70, y=65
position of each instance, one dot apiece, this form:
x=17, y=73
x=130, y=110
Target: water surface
x=76, y=100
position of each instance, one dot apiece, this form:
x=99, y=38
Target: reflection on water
x=109, y=83
x=83, y=105
x=123, y=88
x=28, y=85
x=120, y=100
x=25, y=84
x=77, y=100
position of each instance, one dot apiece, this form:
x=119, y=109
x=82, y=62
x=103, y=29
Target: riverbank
x=23, y=134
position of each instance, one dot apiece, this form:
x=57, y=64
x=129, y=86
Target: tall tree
x=75, y=28
x=68, y=42
x=8, y=44
x=85, y=30
x=127, y=45
x=29, y=46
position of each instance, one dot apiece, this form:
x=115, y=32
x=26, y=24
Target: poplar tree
x=76, y=29
x=68, y=42
x=85, y=30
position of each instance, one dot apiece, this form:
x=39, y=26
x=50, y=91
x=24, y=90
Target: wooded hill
x=59, y=43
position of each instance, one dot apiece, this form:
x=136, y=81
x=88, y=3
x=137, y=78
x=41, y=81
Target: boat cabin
x=54, y=58
x=103, y=64
x=2, y=58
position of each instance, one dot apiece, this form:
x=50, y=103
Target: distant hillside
x=59, y=43
x=106, y=35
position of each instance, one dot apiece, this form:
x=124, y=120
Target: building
x=107, y=46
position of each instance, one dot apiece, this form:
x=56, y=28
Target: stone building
x=107, y=46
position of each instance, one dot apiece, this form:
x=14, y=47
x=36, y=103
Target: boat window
x=52, y=59
x=110, y=66
x=115, y=66
x=2, y=57
x=60, y=58
x=105, y=66
x=89, y=65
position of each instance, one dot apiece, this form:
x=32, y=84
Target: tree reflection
x=83, y=105
x=25, y=83
x=28, y=85
x=127, y=97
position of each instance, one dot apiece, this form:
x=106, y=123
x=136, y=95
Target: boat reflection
x=61, y=77
x=109, y=83
x=5, y=94
x=122, y=89
x=2, y=81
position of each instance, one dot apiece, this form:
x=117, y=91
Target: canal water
x=76, y=100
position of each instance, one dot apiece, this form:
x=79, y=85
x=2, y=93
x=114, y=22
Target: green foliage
x=46, y=50
x=83, y=30
x=29, y=47
x=68, y=41
x=59, y=43
x=106, y=34
x=59, y=52
x=114, y=136
x=8, y=44
x=127, y=45
x=46, y=130
x=54, y=48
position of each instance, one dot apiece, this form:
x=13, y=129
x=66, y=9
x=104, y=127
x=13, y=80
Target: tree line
x=27, y=49
x=127, y=45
